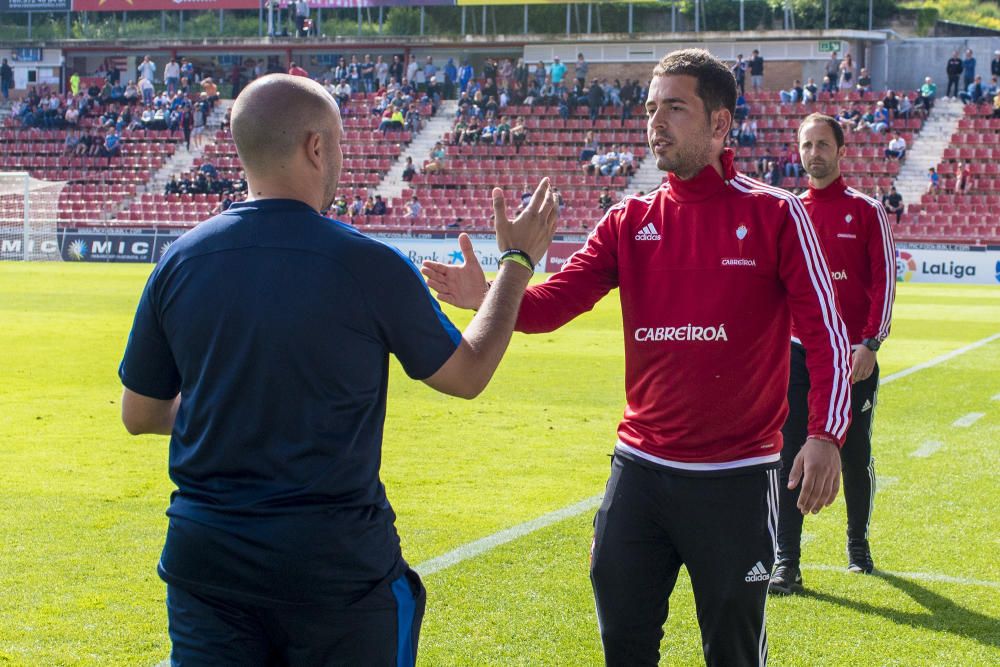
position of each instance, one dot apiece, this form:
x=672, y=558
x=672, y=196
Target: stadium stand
x=963, y=211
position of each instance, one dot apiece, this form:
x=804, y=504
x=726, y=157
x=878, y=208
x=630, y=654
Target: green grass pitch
x=81, y=502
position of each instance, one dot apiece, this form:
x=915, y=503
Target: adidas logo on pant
x=757, y=573
x=647, y=233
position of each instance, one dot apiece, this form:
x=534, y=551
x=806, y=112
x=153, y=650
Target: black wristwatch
x=872, y=344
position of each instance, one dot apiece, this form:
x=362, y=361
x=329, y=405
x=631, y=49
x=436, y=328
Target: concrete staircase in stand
x=420, y=147
x=928, y=148
x=647, y=177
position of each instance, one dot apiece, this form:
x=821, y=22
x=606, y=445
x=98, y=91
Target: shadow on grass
x=943, y=614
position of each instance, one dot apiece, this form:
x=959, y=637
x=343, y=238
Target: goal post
x=29, y=213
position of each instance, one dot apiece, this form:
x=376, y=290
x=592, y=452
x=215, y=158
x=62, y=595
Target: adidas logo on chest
x=648, y=233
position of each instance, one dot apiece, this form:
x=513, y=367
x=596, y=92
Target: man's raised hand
x=463, y=285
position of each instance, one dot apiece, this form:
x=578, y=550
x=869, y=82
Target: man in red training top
x=711, y=268
x=855, y=233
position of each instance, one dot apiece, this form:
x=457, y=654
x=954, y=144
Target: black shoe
x=859, y=557
x=786, y=580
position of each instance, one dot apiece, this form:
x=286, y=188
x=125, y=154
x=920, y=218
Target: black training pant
x=856, y=457
x=721, y=527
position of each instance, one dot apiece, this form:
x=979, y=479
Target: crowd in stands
x=206, y=180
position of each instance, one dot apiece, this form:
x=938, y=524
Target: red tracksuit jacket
x=857, y=239
x=710, y=273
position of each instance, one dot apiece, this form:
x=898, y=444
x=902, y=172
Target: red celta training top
x=710, y=271
x=857, y=239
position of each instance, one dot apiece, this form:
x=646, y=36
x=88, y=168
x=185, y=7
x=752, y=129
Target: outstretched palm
x=463, y=285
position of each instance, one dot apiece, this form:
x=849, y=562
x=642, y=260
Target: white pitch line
x=919, y=576
x=938, y=360
x=927, y=449
x=473, y=549
x=968, y=420
x=996, y=397
x=885, y=482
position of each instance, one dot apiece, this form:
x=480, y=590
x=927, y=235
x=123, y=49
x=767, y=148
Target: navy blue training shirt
x=275, y=324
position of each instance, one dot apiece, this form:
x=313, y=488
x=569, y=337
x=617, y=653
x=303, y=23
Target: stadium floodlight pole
x=463, y=18
x=871, y=13
x=697, y=16
x=742, y=25
x=567, y=20
x=525, y=18
x=630, y=8
x=673, y=15
x=826, y=20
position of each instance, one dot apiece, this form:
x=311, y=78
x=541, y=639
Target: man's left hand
x=862, y=364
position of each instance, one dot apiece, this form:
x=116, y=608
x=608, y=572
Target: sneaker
x=786, y=580
x=859, y=557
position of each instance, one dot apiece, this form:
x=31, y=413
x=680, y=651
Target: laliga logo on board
x=905, y=266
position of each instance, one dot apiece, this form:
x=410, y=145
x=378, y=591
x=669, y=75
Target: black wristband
x=515, y=253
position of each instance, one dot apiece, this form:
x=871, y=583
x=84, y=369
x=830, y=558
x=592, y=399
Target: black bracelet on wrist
x=517, y=256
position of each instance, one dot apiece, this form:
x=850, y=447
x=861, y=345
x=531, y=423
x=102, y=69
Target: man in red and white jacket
x=856, y=236
x=711, y=268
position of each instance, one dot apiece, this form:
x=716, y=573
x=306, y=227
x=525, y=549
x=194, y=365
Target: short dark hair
x=715, y=83
x=838, y=131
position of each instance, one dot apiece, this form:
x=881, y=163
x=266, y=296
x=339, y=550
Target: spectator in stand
x=557, y=73
x=489, y=131
x=450, y=78
x=211, y=90
x=342, y=92
x=368, y=74
x=187, y=125
x=996, y=105
x=518, y=134
x=891, y=103
x=968, y=69
x=301, y=16
x=409, y=171
x=832, y=70
x=147, y=69
x=72, y=117
x=505, y=73
x=954, y=70
x=742, y=109
x=626, y=159
x=896, y=149
x=882, y=118
x=933, y=181
x=71, y=142
x=145, y=87
x=995, y=64
x=791, y=163
x=595, y=100
x=354, y=74
x=380, y=207
x=295, y=70
x=580, y=69
x=864, y=84
x=236, y=80
x=810, y=91
x=381, y=73
x=112, y=144
x=369, y=208
x=564, y=106
x=747, y=133
x=793, y=94
x=846, y=80
x=172, y=75
x=928, y=91
x=975, y=93
x=590, y=147
x=339, y=207
x=605, y=201
x=906, y=108
x=893, y=203
x=849, y=117
x=472, y=132
x=357, y=207
x=612, y=164
x=773, y=174
x=436, y=163
x=756, y=66
x=963, y=177
x=540, y=73
x=739, y=70
x=593, y=168
x=6, y=79
x=628, y=97
x=412, y=208
x=503, y=131
x=397, y=69
x=74, y=83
